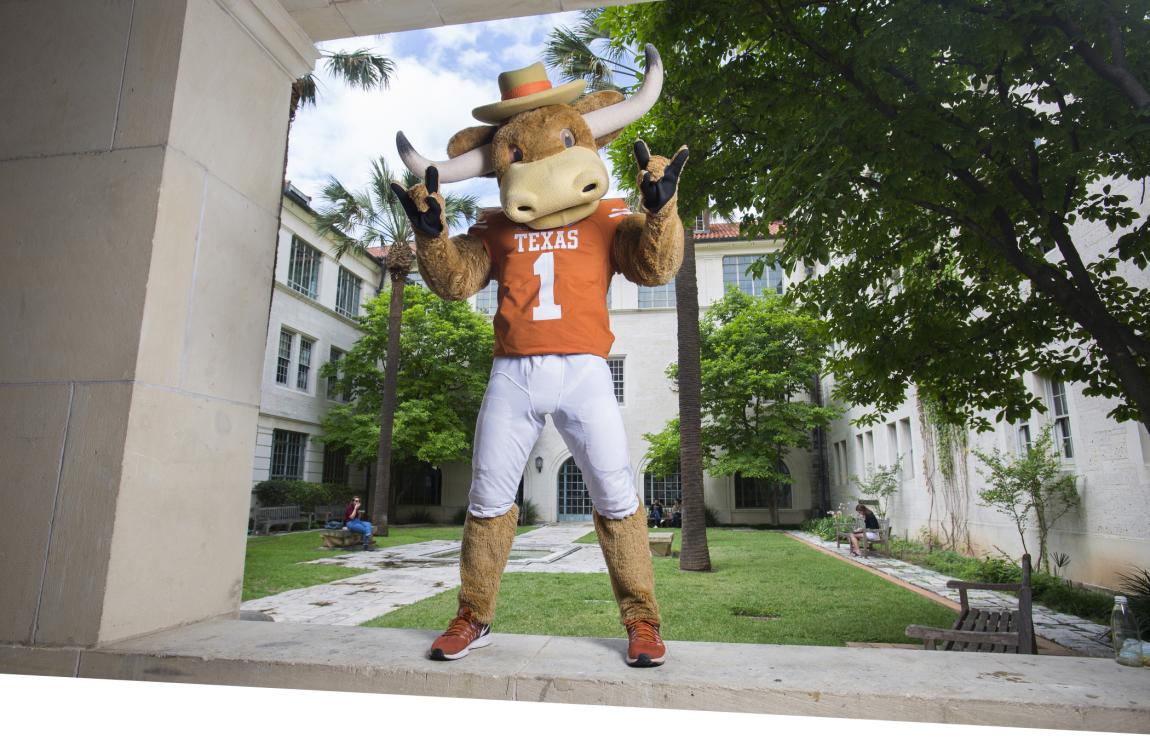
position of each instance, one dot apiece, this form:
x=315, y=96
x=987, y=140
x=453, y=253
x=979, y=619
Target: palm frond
x=360, y=68
x=303, y=91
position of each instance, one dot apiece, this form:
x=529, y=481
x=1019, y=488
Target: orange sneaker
x=644, y=646
x=463, y=635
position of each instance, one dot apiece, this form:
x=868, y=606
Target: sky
x=440, y=76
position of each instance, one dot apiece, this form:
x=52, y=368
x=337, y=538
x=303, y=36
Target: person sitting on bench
x=353, y=522
x=870, y=530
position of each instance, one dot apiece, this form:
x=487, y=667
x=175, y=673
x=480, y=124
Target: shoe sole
x=645, y=661
x=437, y=654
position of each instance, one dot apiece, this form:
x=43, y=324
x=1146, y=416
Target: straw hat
x=525, y=89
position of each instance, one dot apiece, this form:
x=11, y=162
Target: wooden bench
x=325, y=513
x=660, y=544
x=883, y=540
x=986, y=630
x=283, y=515
x=339, y=538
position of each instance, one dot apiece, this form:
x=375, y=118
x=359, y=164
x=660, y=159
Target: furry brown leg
x=628, y=554
x=486, y=547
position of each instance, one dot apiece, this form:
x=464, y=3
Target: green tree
x=1030, y=485
x=374, y=217
x=936, y=154
x=879, y=485
x=446, y=349
x=759, y=356
x=590, y=51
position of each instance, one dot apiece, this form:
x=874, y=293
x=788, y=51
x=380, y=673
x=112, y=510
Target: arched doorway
x=571, y=491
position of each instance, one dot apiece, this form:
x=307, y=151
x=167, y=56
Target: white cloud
x=433, y=90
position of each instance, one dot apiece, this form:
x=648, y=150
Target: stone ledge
x=891, y=684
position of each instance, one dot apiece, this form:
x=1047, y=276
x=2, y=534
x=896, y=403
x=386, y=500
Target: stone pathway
x=1080, y=635
x=408, y=573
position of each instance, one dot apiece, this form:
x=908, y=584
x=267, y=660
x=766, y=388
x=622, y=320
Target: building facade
x=315, y=300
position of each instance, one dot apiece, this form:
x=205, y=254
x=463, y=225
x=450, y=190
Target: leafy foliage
x=934, y=156
x=1136, y=585
x=446, y=352
x=880, y=485
x=1030, y=485
x=359, y=69
x=307, y=495
x=759, y=356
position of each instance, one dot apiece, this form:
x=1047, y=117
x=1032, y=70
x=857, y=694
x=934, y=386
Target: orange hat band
x=526, y=89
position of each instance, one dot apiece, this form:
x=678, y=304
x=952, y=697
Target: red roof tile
x=717, y=231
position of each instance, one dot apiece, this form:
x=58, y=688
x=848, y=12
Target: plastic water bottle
x=1124, y=633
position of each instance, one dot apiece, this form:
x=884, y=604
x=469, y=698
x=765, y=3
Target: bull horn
x=617, y=116
x=475, y=162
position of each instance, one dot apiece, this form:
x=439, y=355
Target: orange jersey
x=553, y=283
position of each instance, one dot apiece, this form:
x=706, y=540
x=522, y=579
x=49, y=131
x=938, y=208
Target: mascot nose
x=521, y=204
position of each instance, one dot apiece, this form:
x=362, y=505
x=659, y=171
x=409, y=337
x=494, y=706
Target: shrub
x=823, y=527
x=712, y=518
x=276, y=492
x=997, y=570
x=419, y=515
x=528, y=513
x=1070, y=599
x=340, y=494
x=460, y=516
x=1136, y=585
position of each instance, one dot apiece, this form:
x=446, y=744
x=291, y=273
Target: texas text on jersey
x=553, y=283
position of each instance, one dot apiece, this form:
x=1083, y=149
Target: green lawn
x=765, y=588
x=272, y=564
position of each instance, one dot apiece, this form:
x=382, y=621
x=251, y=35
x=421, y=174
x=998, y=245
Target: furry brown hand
x=658, y=176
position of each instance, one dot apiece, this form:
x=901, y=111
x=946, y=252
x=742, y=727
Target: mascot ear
x=599, y=100
x=469, y=139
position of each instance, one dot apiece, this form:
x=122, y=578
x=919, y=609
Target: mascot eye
x=568, y=138
x=516, y=154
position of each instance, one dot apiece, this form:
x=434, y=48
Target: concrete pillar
x=141, y=150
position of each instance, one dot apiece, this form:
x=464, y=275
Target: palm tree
x=359, y=69
x=571, y=52
x=587, y=51
x=374, y=217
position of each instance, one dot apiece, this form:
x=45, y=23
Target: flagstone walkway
x=1080, y=635
x=408, y=573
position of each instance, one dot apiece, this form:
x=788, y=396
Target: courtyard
x=767, y=587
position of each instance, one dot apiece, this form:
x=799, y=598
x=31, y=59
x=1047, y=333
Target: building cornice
x=276, y=32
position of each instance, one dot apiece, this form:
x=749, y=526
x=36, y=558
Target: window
x=616, y=366
x=487, y=300
x=840, y=462
x=414, y=278
x=700, y=224
x=347, y=293
x=666, y=489
x=1023, y=435
x=662, y=296
x=1056, y=391
x=868, y=459
x=735, y=275
x=906, y=445
x=303, y=267
x=283, y=361
x=574, y=500
x=755, y=492
x=892, y=450
x=287, y=454
x=333, y=392
x=861, y=453
x=303, y=369
x=335, y=469
x=420, y=485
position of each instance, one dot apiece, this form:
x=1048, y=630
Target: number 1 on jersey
x=544, y=268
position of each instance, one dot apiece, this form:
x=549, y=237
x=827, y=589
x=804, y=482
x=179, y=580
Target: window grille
x=616, y=366
x=1061, y=408
x=335, y=469
x=347, y=293
x=287, y=454
x=755, y=492
x=487, y=299
x=662, y=296
x=422, y=485
x=303, y=268
x=666, y=489
x=303, y=370
x=283, y=361
x=735, y=275
x=574, y=500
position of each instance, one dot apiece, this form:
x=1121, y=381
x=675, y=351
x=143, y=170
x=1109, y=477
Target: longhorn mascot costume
x=553, y=250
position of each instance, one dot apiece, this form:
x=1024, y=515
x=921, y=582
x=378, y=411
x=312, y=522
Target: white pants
x=577, y=391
